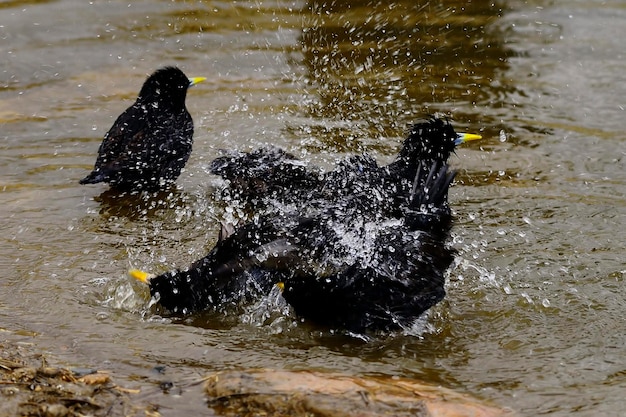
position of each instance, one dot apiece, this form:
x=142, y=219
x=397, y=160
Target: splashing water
x=271, y=310
x=126, y=296
x=359, y=242
x=484, y=275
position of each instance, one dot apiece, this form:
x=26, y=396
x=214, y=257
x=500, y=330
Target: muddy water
x=533, y=318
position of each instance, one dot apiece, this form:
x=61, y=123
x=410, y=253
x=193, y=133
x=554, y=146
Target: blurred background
x=533, y=316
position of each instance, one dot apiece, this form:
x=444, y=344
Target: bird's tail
x=93, y=178
x=430, y=185
x=428, y=201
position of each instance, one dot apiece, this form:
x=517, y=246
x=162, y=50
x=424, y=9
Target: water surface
x=532, y=319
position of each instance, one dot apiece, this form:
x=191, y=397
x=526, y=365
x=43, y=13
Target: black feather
x=150, y=142
x=364, y=247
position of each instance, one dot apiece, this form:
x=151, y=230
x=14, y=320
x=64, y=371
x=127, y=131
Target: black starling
x=150, y=143
x=365, y=250
x=270, y=176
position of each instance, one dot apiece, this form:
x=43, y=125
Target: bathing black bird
x=150, y=143
x=365, y=250
x=269, y=176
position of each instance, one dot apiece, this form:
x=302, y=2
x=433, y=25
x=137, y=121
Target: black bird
x=366, y=250
x=150, y=143
x=271, y=176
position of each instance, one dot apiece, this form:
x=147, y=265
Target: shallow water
x=533, y=316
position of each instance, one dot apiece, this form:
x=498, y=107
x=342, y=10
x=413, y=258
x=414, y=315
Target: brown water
x=533, y=319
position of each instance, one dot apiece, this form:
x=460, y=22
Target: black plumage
x=272, y=177
x=150, y=142
x=266, y=173
x=363, y=247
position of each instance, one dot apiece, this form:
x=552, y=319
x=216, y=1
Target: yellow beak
x=466, y=137
x=140, y=275
x=195, y=80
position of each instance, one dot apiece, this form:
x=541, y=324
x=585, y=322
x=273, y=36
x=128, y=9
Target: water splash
x=484, y=275
x=271, y=310
x=126, y=296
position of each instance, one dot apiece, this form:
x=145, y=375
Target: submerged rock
x=307, y=393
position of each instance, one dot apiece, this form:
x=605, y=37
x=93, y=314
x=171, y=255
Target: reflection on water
x=381, y=62
x=531, y=319
x=374, y=67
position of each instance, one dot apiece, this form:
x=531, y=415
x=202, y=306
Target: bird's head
x=167, y=85
x=432, y=140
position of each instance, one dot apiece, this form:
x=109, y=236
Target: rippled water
x=533, y=316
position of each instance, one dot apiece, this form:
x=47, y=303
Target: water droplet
x=101, y=316
x=527, y=298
